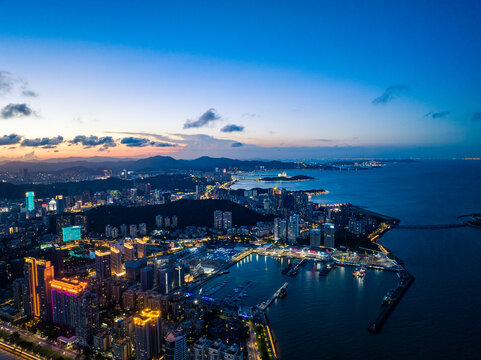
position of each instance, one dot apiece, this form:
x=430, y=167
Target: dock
x=377, y=325
x=294, y=270
x=266, y=304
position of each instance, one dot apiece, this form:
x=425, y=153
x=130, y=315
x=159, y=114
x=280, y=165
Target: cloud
x=323, y=140
x=205, y=119
x=389, y=94
x=7, y=82
x=90, y=141
x=29, y=93
x=237, y=144
x=16, y=110
x=141, y=142
x=45, y=143
x=232, y=128
x=135, y=141
x=251, y=115
x=10, y=139
x=437, y=115
x=476, y=116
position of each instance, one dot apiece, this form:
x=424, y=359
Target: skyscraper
x=227, y=220
x=293, y=228
x=102, y=264
x=148, y=335
x=147, y=277
x=30, y=201
x=129, y=252
x=315, y=237
x=280, y=229
x=329, y=230
x=73, y=306
x=115, y=261
x=176, y=346
x=218, y=219
x=60, y=204
x=38, y=275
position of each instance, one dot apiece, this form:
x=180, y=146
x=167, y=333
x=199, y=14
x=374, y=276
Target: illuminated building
x=206, y=349
x=143, y=229
x=159, y=221
x=280, y=229
x=71, y=233
x=166, y=281
x=218, y=219
x=30, y=201
x=176, y=346
x=179, y=276
x=148, y=335
x=329, y=230
x=141, y=248
x=60, y=202
x=227, y=220
x=38, y=275
x=133, y=230
x=129, y=252
x=102, y=264
x=74, y=307
x=121, y=349
x=315, y=237
x=293, y=228
x=115, y=261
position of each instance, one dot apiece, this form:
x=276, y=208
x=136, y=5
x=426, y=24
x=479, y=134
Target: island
x=282, y=177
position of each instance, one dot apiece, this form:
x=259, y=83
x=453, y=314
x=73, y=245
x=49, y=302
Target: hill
x=189, y=213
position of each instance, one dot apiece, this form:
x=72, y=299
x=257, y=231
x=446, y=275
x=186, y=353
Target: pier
x=404, y=284
x=293, y=271
x=265, y=304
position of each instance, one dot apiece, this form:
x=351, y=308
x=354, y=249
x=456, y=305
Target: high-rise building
x=102, y=264
x=293, y=228
x=179, y=276
x=129, y=252
x=176, y=346
x=143, y=229
x=74, y=307
x=133, y=230
x=18, y=292
x=280, y=229
x=141, y=248
x=166, y=281
x=175, y=221
x=38, y=275
x=121, y=349
x=315, y=237
x=148, y=335
x=218, y=219
x=227, y=220
x=329, y=231
x=147, y=277
x=60, y=204
x=115, y=261
x=30, y=201
x=159, y=221
x=123, y=230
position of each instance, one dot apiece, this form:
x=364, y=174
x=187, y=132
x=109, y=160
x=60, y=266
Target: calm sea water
x=440, y=315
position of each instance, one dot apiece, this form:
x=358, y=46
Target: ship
x=360, y=272
x=325, y=270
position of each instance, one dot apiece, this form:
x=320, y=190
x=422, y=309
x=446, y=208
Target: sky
x=286, y=80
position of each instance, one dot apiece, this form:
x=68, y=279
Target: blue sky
x=298, y=79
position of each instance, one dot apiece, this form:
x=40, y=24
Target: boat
x=282, y=293
x=324, y=270
x=360, y=272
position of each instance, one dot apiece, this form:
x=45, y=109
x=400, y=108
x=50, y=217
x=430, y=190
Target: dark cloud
x=237, y=144
x=141, y=142
x=46, y=143
x=162, y=144
x=10, y=139
x=29, y=93
x=476, y=116
x=203, y=120
x=437, y=115
x=232, y=128
x=16, y=110
x=389, y=94
x=90, y=141
x=135, y=141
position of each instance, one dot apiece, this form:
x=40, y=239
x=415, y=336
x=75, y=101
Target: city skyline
x=337, y=80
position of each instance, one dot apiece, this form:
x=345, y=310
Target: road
x=251, y=344
x=36, y=340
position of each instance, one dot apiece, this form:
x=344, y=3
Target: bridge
x=265, y=304
x=426, y=227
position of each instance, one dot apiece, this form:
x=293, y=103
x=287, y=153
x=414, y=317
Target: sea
x=327, y=318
